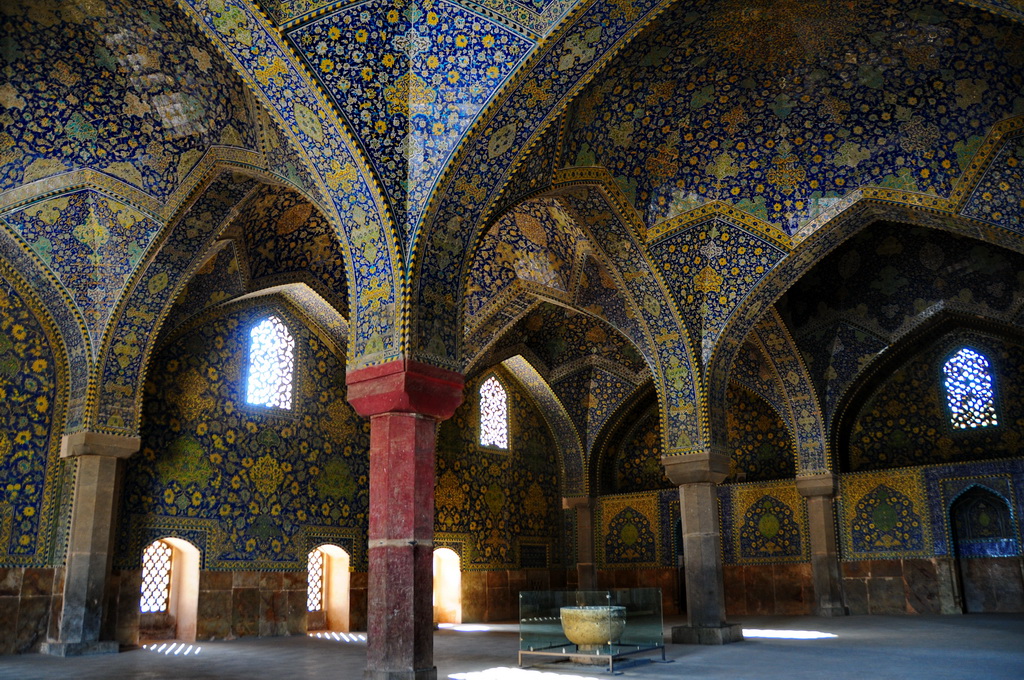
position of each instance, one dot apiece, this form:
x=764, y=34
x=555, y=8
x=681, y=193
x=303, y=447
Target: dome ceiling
x=124, y=88
x=783, y=107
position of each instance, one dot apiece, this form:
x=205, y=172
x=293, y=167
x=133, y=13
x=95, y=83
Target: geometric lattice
x=969, y=390
x=271, y=363
x=315, y=589
x=493, y=414
x=156, y=577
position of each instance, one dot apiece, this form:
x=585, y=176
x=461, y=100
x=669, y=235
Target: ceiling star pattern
x=410, y=80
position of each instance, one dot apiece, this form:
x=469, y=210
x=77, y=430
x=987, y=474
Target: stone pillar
x=91, y=542
x=404, y=400
x=586, y=572
x=698, y=475
x=819, y=490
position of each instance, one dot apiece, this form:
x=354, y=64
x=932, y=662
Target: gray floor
x=954, y=647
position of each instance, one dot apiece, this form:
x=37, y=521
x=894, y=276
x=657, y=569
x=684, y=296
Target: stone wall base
x=707, y=635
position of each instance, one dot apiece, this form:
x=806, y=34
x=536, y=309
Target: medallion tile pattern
x=288, y=239
x=767, y=524
x=884, y=515
x=629, y=530
x=709, y=268
x=536, y=243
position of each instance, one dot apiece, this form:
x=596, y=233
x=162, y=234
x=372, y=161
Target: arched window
x=969, y=390
x=271, y=364
x=493, y=414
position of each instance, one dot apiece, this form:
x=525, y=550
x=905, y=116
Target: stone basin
x=591, y=627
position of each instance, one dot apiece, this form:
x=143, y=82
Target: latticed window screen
x=315, y=589
x=969, y=391
x=156, y=577
x=271, y=364
x=493, y=414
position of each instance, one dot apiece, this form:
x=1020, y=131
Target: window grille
x=493, y=414
x=156, y=577
x=969, y=390
x=315, y=589
x=271, y=364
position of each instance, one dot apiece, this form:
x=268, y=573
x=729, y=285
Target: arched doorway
x=987, y=550
x=447, y=587
x=327, y=593
x=169, y=601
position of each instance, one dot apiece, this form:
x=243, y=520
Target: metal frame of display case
x=548, y=638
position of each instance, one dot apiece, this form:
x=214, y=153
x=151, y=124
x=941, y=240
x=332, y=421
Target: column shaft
x=586, y=572
x=404, y=400
x=828, y=593
x=400, y=612
x=702, y=553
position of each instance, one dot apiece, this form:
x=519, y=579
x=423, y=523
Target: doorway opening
x=447, y=587
x=169, y=601
x=986, y=549
x=327, y=591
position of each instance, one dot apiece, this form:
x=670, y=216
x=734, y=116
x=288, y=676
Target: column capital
x=405, y=386
x=87, y=443
x=823, y=484
x=576, y=502
x=710, y=464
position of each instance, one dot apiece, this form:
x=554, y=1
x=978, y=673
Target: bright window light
x=464, y=627
x=786, y=634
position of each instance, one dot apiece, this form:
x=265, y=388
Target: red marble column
x=404, y=400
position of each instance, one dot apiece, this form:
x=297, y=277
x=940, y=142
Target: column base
x=79, y=648
x=832, y=610
x=417, y=674
x=707, y=635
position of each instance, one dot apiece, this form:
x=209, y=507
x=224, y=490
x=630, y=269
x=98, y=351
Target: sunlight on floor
x=786, y=634
x=516, y=674
x=172, y=648
x=464, y=627
x=339, y=637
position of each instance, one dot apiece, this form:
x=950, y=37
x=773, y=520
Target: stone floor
x=877, y=647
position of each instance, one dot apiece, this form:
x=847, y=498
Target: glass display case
x=590, y=626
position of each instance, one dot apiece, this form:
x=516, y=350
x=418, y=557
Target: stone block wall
x=494, y=595
x=234, y=604
x=909, y=586
x=666, y=578
x=766, y=589
x=30, y=604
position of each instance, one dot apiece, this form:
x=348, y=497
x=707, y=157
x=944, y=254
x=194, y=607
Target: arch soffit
x=503, y=138
x=859, y=209
x=932, y=326
x=571, y=458
x=357, y=207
